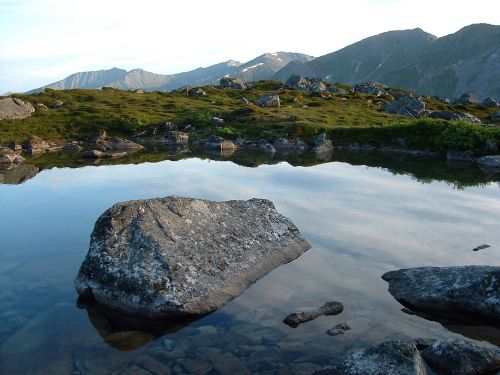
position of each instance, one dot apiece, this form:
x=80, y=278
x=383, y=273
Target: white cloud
x=60, y=37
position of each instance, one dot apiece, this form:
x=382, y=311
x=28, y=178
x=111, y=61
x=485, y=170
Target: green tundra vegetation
x=347, y=118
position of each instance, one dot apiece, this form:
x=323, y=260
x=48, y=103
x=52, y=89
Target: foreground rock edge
x=96, y=280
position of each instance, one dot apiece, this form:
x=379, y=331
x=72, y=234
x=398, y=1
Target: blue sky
x=42, y=41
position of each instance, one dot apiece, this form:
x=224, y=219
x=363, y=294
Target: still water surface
x=361, y=222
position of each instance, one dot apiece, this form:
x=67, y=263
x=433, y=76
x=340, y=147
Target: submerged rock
x=182, y=256
x=448, y=290
x=14, y=108
x=459, y=357
x=388, y=358
x=329, y=308
x=339, y=329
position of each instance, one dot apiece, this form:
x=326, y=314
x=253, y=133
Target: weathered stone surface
x=490, y=161
x=406, y=105
x=372, y=88
x=459, y=357
x=217, y=121
x=122, y=144
x=14, y=108
x=8, y=156
x=196, y=92
x=490, y=102
x=174, y=256
x=230, y=82
x=177, y=138
x=219, y=144
x=93, y=154
x=459, y=156
x=322, y=145
x=387, y=358
x=329, y=308
x=443, y=290
x=455, y=116
x=339, y=329
x=298, y=82
x=269, y=100
x=466, y=98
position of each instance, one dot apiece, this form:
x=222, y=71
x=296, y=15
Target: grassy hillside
x=349, y=118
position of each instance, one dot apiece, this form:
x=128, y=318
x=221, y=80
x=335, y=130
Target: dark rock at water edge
x=183, y=256
x=391, y=357
x=219, y=144
x=459, y=357
x=490, y=162
x=460, y=156
x=7, y=156
x=121, y=144
x=177, y=138
x=322, y=145
x=329, y=308
x=463, y=290
x=93, y=154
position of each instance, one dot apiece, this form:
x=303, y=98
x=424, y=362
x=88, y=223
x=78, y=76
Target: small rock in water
x=339, y=329
x=485, y=246
x=329, y=308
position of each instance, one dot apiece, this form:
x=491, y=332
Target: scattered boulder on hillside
x=139, y=91
x=219, y=144
x=122, y=144
x=217, y=121
x=170, y=256
x=406, y=105
x=196, y=92
x=454, y=116
x=269, y=100
x=233, y=83
x=58, y=103
x=177, y=138
x=298, y=82
x=490, y=102
x=14, y=108
x=495, y=116
x=329, y=308
x=7, y=156
x=41, y=106
x=390, y=357
x=491, y=162
x=334, y=89
x=372, y=88
x=465, y=290
x=322, y=145
x=466, y=98
x=459, y=357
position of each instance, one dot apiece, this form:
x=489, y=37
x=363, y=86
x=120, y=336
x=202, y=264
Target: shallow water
x=361, y=222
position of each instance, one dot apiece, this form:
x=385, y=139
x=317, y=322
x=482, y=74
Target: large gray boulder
x=372, y=88
x=269, y=100
x=182, y=256
x=466, y=98
x=406, y=105
x=387, y=358
x=233, y=83
x=217, y=143
x=467, y=290
x=7, y=156
x=177, y=138
x=459, y=357
x=14, y=108
x=490, y=102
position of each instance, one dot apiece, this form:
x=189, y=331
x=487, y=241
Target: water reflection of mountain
x=422, y=169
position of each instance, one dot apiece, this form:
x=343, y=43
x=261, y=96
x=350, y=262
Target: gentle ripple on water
x=361, y=222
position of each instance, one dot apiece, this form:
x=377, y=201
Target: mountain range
x=466, y=61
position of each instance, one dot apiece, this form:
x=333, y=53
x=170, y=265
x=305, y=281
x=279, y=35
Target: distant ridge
x=466, y=61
